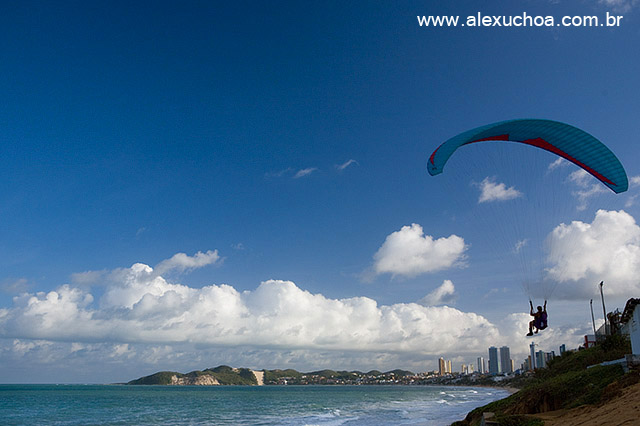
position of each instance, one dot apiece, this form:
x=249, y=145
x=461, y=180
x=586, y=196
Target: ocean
x=239, y=405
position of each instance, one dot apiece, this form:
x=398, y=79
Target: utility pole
x=606, y=332
x=593, y=321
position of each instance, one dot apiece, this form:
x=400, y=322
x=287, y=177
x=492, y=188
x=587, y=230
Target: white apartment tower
x=482, y=366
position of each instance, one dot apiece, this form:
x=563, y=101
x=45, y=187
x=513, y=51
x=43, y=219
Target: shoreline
x=509, y=389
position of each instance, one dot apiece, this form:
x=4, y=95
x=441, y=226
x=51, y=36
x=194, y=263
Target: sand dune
x=259, y=377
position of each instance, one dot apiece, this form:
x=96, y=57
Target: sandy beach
x=623, y=409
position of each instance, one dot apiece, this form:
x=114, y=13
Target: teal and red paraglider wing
x=566, y=141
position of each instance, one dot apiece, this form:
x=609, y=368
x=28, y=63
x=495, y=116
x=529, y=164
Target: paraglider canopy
x=571, y=143
x=524, y=197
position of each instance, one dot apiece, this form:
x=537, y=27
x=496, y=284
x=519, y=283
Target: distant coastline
x=227, y=376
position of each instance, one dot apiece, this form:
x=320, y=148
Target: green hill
x=224, y=375
x=400, y=373
x=333, y=374
x=161, y=378
x=272, y=376
x=232, y=376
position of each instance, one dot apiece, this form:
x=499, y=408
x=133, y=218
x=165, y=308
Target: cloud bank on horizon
x=140, y=306
x=139, y=317
x=142, y=318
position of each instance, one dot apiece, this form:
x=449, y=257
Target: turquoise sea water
x=238, y=405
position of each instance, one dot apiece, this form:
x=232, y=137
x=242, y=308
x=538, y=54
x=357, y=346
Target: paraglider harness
x=540, y=321
x=539, y=318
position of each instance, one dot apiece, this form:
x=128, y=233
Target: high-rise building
x=494, y=361
x=442, y=367
x=533, y=363
x=482, y=368
x=563, y=349
x=548, y=356
x=449, y=369
x=505, y=360
x=541, y=359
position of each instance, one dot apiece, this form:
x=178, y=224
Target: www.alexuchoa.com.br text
x=523, y=20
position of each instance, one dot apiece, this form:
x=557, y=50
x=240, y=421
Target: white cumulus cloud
x=608, y=249
x=178, y=263
x=520, y=244
x=304, y=172
x=181, y=262
x=409, y=252
x=559, y=162
x=445, y=294
x=492, y=191
x=346, y=164
x=588, y=187
x=140, y=308
x=634, y=182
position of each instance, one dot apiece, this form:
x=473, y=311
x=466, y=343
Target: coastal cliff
x=621, y=409
x=204, y=380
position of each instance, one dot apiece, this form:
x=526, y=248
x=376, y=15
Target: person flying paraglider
x=560, y=139
x=539, y=321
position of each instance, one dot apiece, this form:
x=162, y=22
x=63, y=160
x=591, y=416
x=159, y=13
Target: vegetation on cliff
x=225, y=375
x=332, y=377
x=565, y=383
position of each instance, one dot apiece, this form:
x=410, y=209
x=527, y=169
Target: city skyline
x=501, y=361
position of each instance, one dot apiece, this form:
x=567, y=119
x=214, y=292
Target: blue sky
x=287, y=142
